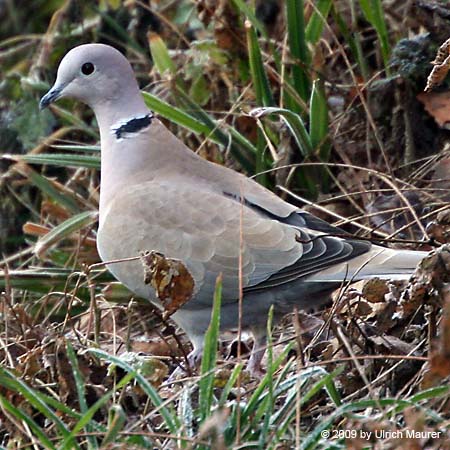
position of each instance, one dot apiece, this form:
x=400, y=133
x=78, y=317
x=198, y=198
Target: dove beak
x=53, y=94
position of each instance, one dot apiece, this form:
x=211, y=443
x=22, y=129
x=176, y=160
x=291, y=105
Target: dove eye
x=87, y=68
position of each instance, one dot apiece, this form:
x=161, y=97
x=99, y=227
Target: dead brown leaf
x=439, y=229
x=428, y=279
x=438, y=74
x=155, y=347
x=387, y=344
x=440, y=356
x=437, y=104
x=375, y=289
x=170, y=278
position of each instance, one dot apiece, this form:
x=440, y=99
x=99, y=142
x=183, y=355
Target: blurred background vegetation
x=337, y=81
x=322, y=101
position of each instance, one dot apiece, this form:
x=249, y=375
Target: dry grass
x=376, y=361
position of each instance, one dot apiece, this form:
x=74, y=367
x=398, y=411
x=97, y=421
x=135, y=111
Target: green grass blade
x=258, y=394
x=229, y=385
x=209, y=358
x=48, y=187
x=360, y=56
x=261, y=165
x=298, y=47
x=249, y=13
x=433, y=392
x=9, y=381
x=318, y=121
x=170, y=418
x=186, y=410
x=23, y=417
x=257, y=70
x=326, y=381
x=283, y=416
x=267, y=407
x=121, y=34
x=160, y=55
x=63, y=408
x=241, y=148
x=307, y=179
x=77, y=148
x=67, y=117
x=373, y=10
x=260, y=403
x=331, y=388
x=353, y=41
x=59, y=159
x=116, y=420
x=174, y=114
x=312, y=439
x=87, y=417
x=66, y=229
x=40, y=280
x=295, y=124
x=317, y=21
x=79, y=384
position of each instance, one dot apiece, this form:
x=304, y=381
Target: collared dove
x=157, y=195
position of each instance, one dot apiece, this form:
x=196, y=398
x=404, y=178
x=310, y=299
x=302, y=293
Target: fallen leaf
x=437, y=104
x=427, y=281
x=374, y=290
x=391, y=344
x=170, y=278
x=438, y=74
x=440, y=356
x=442, y=53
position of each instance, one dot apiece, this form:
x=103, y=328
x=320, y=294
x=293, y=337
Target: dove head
x=101, y=77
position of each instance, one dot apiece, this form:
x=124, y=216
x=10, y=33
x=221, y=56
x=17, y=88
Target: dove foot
x=257, y=354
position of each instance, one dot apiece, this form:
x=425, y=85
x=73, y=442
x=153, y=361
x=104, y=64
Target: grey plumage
x=158, y=195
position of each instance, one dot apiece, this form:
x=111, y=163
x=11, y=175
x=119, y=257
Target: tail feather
x=378, y=262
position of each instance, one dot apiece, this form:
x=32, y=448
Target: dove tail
x=378, y=262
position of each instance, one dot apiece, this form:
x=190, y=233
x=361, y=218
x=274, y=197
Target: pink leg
x=194, y=359
x=256, y=356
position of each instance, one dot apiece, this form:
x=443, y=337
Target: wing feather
x=204, y=228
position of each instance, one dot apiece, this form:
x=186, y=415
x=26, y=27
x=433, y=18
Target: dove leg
x=257, y=353
x=195, y=357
